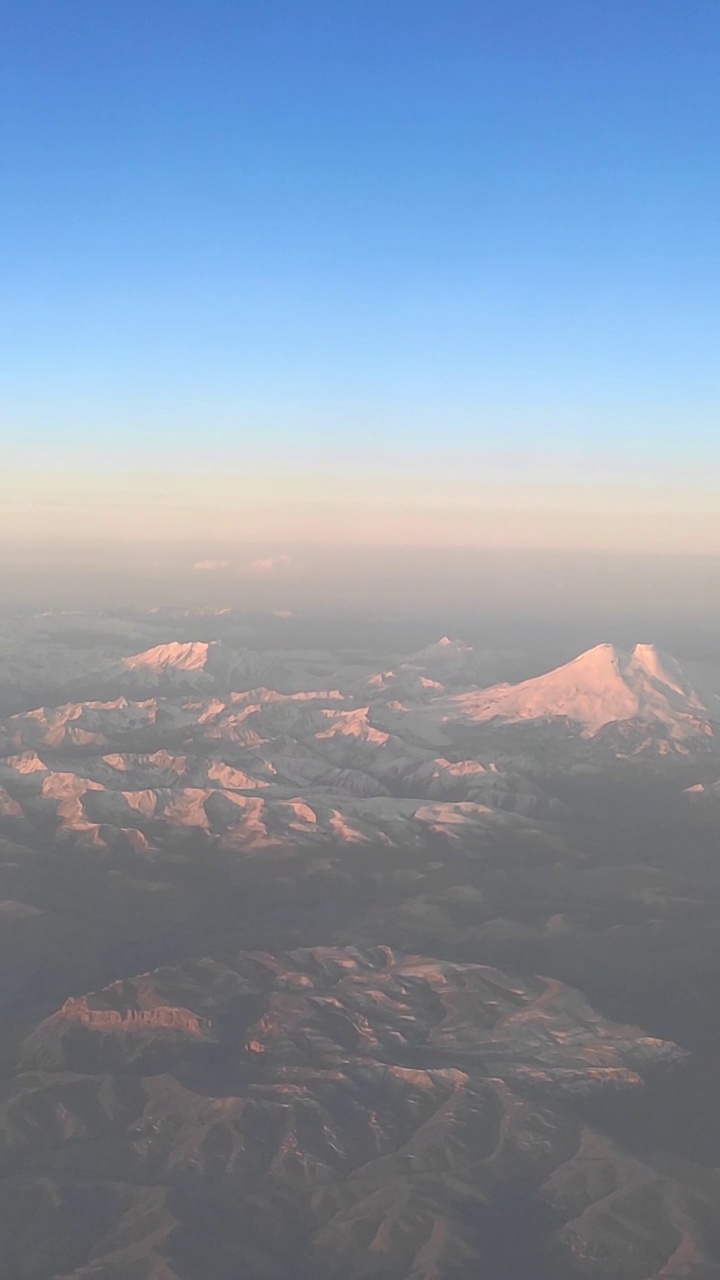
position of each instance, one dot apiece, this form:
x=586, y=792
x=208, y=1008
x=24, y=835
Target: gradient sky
x=429, y=271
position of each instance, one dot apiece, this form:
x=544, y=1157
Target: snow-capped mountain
x=192, y=656
x=455, y=664
x=603, y=686
x=444, y=650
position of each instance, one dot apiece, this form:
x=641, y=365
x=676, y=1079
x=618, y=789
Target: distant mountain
x=455, y=663
x=444, y=650
x=605, y=685
x=192, y=656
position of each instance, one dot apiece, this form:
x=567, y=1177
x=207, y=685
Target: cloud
x=269, y=565
x=211, y=566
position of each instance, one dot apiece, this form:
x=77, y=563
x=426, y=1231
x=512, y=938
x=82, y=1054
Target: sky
x=429, y=273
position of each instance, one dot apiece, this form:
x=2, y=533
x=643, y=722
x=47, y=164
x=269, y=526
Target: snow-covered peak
x=599, y=687
x=444, y=649
x=191, y=656
x=446, y=645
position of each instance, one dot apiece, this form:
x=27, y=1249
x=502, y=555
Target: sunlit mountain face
x=340, y=963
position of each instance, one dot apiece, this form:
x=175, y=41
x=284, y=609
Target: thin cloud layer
x=262, y=567
x=269, y=565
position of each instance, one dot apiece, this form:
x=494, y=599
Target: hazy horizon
x=486, y=596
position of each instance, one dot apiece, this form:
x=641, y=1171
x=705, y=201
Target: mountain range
x=360, y=757
x=263, y=916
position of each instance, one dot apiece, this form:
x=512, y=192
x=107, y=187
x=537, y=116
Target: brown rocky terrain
x=385, y=1099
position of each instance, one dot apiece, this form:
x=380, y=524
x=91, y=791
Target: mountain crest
x=177, y=656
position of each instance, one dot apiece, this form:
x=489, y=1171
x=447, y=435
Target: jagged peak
x=600, y=654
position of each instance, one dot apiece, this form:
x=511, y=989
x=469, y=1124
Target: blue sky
x=396, y=224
